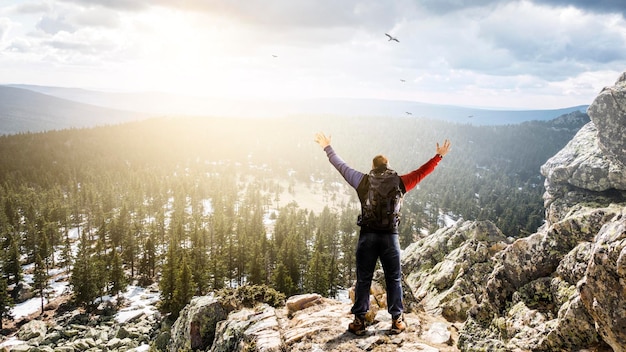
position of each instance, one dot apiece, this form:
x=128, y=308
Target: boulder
x=195, y=327
x=33, y=330
x=249, y=329
x=608, y=112
x=581, y=174
x=299, y=302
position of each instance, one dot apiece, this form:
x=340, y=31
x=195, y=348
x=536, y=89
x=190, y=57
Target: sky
x=539, y=54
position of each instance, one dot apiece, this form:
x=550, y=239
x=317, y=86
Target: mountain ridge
x=155, y=103
x=23, y=110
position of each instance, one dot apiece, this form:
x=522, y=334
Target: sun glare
x=183, y=52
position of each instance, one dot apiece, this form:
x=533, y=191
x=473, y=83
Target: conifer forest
x=197, y=204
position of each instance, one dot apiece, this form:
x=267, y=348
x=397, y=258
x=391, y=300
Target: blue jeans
x=370, y=248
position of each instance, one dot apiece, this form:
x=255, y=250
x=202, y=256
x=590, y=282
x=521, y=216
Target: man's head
x=379, y=160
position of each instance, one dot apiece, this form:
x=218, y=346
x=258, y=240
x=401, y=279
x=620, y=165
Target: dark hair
x=379, y=160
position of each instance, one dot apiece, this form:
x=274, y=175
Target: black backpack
x=380, y=205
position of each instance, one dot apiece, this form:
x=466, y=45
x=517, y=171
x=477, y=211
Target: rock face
x=592, y=167
x=564, y=287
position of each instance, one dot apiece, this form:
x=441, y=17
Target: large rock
x=195, y=327
x=33, y=330
x=249, y=329
x=299, y=302
x=608, y=112
x=583, y=164
x=581, y=173
x=591, y=168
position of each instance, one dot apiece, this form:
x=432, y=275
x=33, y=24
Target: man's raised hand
x=322, y=140
x=443, y=150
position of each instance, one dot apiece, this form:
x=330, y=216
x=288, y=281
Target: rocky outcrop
x=313, y=323
x=581, y=173
x=445, y=271
x=563, y=287
x=591, y=168
x=530, y=300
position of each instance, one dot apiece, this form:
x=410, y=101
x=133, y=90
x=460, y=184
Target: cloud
x=122, y=5
x=97, y=18
x=512, y=39
x=19, y=45
x=68, y=45
x=272, y=12
x=442, y=7
x=53, y=25
x=5, y=25
x=597, y=6
x=556, y=43
x=32, y=8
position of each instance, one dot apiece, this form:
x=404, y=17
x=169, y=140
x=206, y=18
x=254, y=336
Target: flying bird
x=274, y=55
x=408, y=113
x=402, y=80
x=392, y=38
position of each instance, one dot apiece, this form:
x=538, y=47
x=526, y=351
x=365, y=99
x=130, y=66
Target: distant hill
x=170, y=104
x=23, y=110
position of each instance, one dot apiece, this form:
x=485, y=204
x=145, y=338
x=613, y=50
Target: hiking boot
x=357, y=326
x=398, y=325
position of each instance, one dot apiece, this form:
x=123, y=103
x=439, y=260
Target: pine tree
x=6, y=303
x=217, y=241
x=199, y=262
x=184, y=287
x=282, y=281
x=12, y=267
x=84, y=279
x=147, y=265
x=40, y=280
x=66, y=252
x=130, y=247
x=167, y=284
x=117, y=279
x=317, y=274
